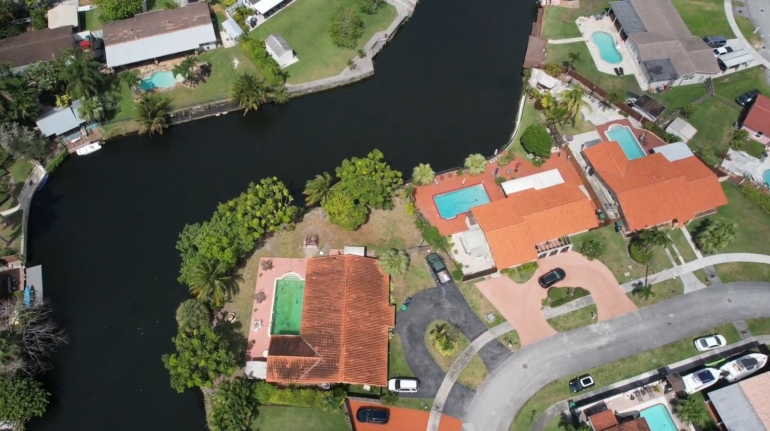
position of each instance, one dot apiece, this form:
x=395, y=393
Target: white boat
x=700, y=380
x=743, y=366
x=88, y=149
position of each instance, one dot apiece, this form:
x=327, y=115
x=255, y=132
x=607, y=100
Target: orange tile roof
x=513, y=226
x=651, y=190
x=343, y=337
x=604, y=420
x=639, y=424
x=758, y=118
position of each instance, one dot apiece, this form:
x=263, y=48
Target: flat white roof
x=265, y=6
x=256, y=370
x=232, y=28
x=354, y=250
x=682, y=128
x=537, y=182
x=674, y=152
x=160, y=45
x=736, y=58
x=63, y=15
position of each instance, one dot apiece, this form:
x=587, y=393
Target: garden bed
x=474, y=373
x=561, y=295
x=574, y=319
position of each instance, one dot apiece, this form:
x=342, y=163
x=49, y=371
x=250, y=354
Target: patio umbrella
x=261, y=297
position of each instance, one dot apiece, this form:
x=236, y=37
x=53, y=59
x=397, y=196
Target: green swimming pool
x=287, y=306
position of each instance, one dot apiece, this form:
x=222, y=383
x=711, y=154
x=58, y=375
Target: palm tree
x=573, y=58
x=422, y=174
x=130, y=78
x=185, y=67
x=692, y=411
x=249, y=92
x=643, y=291
x=716, y=236
x=444, y=339
x=318, y=190
x=394, y=262
x=653, y=237
x=192, y=314
x=612, y=98
x=81, y=74
x=209, y=282
x=151, y=111
x=351, y=64
x=572, y=101
x=91, y=109
x=739, y=137
x=279, y=94
x=476, y=164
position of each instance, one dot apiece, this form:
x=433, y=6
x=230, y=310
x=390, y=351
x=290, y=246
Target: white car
x=709, y=342
x=404, y=384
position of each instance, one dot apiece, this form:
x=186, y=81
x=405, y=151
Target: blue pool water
x=607, y=49
x=766, y=176
x=625, y=137
x=658, y=418
x=158, y=80
x=460, y=201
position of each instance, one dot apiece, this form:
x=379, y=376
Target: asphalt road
x=509, y=386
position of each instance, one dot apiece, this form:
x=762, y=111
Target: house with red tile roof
x=345, y=323
x=757, y=121
x=670, y=187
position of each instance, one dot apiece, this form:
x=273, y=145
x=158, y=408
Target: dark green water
x=105, y=225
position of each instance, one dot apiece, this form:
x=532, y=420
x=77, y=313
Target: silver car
x=403, y=385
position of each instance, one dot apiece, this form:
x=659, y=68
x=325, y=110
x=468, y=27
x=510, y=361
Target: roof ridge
x=343, y=328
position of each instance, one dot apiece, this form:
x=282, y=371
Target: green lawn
x=414, y=404
x=573, y=319
x=747, y=29
x=704, y=17
x=221, y=17
x=305, y=26
x=558, y=296
x=616, y=256
x=529, y=117
x=559, y=22
x=576, y=126
x=660, y=292
x=280, y=418
x=554, y=425
x=20, y=170
x=89, y=20
x=682, y=245
x=510, y=340
x=677, y=97
x=753, y=236
x=397, y=366
x=480, y=304
x=585, y=66
x=754, y=148
x=614, y=372
x=759, y=326
x=474, y=373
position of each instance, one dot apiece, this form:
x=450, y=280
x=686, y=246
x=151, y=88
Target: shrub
x=556, y=293
x=553, y=69
x=460, y=172
x=759, y=197
x=50, y=167
x=536, y=140
x=457, y=275
x=327, y=400
x=389, y=398
x=505, y=159
x=638, y=254
x=500, y=180
x=592, y=249
x=431, y=234
x=257, y=53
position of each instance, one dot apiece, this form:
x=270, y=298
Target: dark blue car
x=373, y=415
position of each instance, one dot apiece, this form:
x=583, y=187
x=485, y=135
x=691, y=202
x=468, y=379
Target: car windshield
x=704, y=343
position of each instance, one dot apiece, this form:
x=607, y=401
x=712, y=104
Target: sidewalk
x=746, y=45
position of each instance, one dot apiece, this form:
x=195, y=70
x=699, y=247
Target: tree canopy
x=17, y=97
x=476, y=164
x=422, y=174
x=346, y=27
x=233, y=406
x=394, y=262
x=21, y=141
x=151, y=112
x=715, y=236
x=201, y=357
x=370, y=181
x=344, y=211
x=192, y=314
x=113, y=10
x=536, y=140
x=21, y=398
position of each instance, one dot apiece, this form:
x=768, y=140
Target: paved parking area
x=520, y=304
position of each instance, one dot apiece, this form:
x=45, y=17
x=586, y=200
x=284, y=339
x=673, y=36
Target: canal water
x=105, y=225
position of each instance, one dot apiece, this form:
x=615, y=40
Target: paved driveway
x=508, y=387
x=520, y=303
x=445, y=303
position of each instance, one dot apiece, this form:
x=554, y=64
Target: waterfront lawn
x=529, y=117
x=397, y=366
x=704, y=17
x=305, y=25
x=559, y=22
x=585, y=66
x=682, y=245
x=12, y=231
x=677, y=97
x=616, y=256
x=574, y=319
x=753, y=236
x=660, y=292
x=280, y=418
x=480, y=304
x=19, y=172
x=614, y=372
x=474, y=373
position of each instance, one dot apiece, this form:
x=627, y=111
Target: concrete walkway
x=564, y=41
x=746, y=45
x=509, y=386
x=25, y=199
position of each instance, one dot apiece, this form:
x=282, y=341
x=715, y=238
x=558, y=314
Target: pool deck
x=652, y=140
x=259, y=340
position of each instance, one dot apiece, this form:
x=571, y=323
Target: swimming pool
x=607, y=49
x=658, y=418
x=159, y=80
x=287, y=305
x=766, y=176
x=460, y=201
x=625, y=137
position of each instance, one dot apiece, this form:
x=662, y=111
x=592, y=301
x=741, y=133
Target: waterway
x=105, y=225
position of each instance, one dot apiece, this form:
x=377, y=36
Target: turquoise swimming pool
x=460, y=201
x=766, y=176
x=158, y=80
x=607, y=49
x=625, y=137
x=658, y=418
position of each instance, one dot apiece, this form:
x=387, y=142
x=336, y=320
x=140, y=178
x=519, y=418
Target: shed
x=63, y=15
x=681, y=128
x=280, y=50
x=648, y=107
x=232, y=29
x=58, y=121
x=737, y=58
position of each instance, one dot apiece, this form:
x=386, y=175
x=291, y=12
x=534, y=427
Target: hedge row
x=269, y=394
x=759, y=197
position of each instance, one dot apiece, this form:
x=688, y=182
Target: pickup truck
x=437, y=267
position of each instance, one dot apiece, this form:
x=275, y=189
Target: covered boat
x=700, y=380
x=743, y=366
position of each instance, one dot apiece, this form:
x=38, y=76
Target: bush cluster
x=639, y=254
x=327, y=400
x=431, y=234
x=759, y=197
x=536, y=140
x=592, y=249
x=256, y=51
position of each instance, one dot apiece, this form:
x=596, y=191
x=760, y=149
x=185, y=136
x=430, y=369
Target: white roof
x=60, y=120
x=674, y=152
x=256, y=369
x=547, y=81
x=265, y=6
x=63, y=15
x=681, y=128
x=354, y=250
x=736, y=58
x=537, y=182
x=158, y=46
x=232, y=28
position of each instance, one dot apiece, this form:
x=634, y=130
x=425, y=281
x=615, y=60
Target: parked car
x=373, y=415
x=715, y=41
x=709, y=342
x=721, y=51
x=437, y=267
x=748, y=97
x=551, y=277
x=403, y=384
x=579, y=383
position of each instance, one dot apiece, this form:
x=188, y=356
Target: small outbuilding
x=280, y=50
x=233, y=30
x=63, y=15
x=59, y=121
x=684, y=130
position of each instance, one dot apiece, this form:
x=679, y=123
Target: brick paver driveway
x=520, y=303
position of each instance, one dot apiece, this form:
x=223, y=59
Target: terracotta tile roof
x=758, y=118
x=346, y=316
x=757, y=391
x=513, y=226
x=604, y=420
x=652, y=190
x=634, y=425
